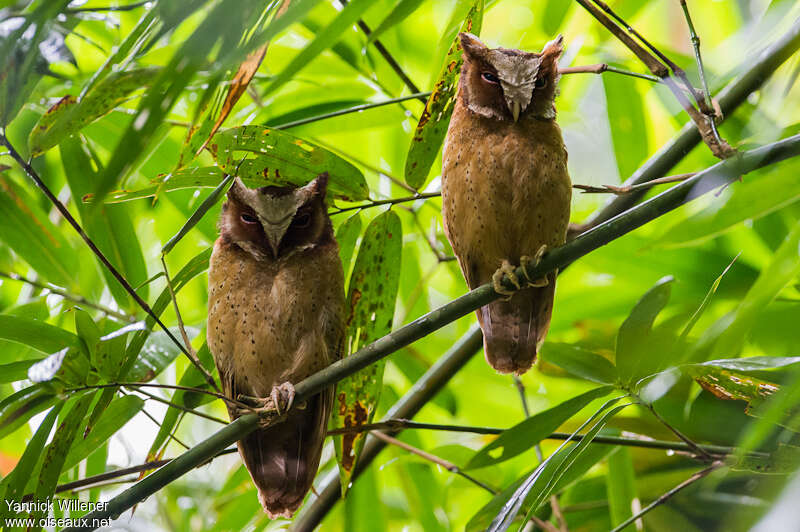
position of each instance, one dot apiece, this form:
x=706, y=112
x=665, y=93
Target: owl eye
x=249, y=218
x=491, y=78
x=302, y=220
x=540, y=82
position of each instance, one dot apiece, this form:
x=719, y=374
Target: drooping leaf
x=56, y=453
x=346, y=236
x=28, y=231
x=68, y=116
x=371, y=295
x=638, y=354
x=432, y=126
x=579, y=362
x=275, y=157
x=524, y=435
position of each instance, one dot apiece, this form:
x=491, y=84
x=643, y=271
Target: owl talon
x=527, y=262
x=270, y=409
x=505, y=270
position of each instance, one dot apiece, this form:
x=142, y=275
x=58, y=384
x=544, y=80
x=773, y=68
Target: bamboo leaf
x=372, y=292
x=274, y=157
x=36, y=334
x=68, y=116
x=621, y=487
x=22, y=405
x=523, y=436
x=580, y=362
x=346, y=236
x=432, y=126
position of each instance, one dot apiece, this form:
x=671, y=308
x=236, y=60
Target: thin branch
x=191, y=352
x=355, y=109
x=665, y=497
x=177, y=406
x=390, y=201
x=521, y=390
x=435, y=459
x=99, y=254
x=440, y=256
x=394, y=425
x=171, y=435
x=599, y=68
x=128, y=7
x=70, y=297
x=694, y=447
x=706, y=181
x=627, y=189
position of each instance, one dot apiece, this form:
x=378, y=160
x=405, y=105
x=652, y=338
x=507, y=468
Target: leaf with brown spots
x=372, y=292
x=433, y=123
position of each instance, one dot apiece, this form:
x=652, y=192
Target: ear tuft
x=471, y=45
x=319, y=186
x=554, y=48
x=237, y=189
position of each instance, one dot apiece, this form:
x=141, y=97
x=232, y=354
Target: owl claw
x=270, y=409
x=505, y=270
x=527, y=262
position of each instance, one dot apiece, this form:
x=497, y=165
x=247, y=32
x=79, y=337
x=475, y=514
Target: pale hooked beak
x=515, y=108
x=274, y=234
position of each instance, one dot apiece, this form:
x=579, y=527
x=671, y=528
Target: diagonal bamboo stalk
x=720, y=174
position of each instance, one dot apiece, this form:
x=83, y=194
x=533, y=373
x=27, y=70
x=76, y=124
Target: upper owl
x=271, y=223
x=509, y=84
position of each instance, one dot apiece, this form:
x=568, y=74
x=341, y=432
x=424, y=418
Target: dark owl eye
x=249, y=218
x=302, y=220
x=491, y=78
x=540, y=82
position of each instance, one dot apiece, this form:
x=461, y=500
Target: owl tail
x=283, y=459
x=513, y=330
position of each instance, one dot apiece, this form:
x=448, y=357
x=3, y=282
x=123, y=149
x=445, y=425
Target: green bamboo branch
x=720, y=174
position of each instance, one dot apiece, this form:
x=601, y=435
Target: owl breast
x=272, y=322
x=505, y=190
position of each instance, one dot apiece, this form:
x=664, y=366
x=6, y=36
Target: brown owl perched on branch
x=275, y=316
x=506, y=191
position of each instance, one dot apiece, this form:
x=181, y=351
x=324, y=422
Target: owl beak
x=274, y=236
x=515, y=108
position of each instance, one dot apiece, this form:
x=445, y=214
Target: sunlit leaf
x=579, y=362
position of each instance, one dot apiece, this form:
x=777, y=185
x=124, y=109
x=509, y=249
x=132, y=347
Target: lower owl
x=276, y=316
x=506, y=191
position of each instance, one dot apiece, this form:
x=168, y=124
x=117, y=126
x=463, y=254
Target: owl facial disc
x=517, y=75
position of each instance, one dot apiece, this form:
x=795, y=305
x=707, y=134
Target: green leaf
x=110, y=226
x=323, y=40
x=282, y=159
x=36, y=334
x=706, y=300
x=782, y=461
x=637, y=353
x=621, y=487
x=69, y=116
x=401, y=11
x=728, y=334
x=432, y=126
x=523, y=436
x=205, y=177
x=540, y=484
x=118, y=413
x=346, y=236
x=372, y=292
x=56, y=453
x=33, y=452
x=22, y=405
x=87, y=331
x=28, y=231
x=579, y=362
x=157, y=353
x=197, y=215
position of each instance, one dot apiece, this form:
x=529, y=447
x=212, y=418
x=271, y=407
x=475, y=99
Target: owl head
x=271, y=222
x=509, y=84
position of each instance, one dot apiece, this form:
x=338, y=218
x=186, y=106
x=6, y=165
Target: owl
x=506, y=190
x=275, y=316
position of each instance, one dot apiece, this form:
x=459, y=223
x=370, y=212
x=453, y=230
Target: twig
x=355, y=109
x=440, y=256
x=665, y=497
x=524, y=400
x=435, y=459
x=706, y=181
x=692, y=445
x=191, y=352
x=99, y=254
x=599, y=68
x=171, y=435
x=70, y=297
x=390, y=201
x=177, y=406
x=627, y=189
